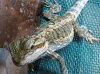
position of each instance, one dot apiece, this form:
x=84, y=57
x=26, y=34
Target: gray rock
x=7, y=66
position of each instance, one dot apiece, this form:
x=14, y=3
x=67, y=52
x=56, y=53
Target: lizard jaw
x=34, y=55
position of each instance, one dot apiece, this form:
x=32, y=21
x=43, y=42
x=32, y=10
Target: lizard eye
x=32, y=47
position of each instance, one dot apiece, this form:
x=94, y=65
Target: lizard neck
x=76, y=8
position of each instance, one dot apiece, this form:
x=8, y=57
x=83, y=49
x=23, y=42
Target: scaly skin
x=56, y=34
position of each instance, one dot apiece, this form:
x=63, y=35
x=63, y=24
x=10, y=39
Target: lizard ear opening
x=32, y=47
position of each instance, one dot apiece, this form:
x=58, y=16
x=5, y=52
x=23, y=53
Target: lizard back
x=60, y=33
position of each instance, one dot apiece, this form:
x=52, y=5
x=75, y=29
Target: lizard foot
x=54, y=7
x=84, y=32
x=88, y=36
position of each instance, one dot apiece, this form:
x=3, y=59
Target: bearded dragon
x=54, y=35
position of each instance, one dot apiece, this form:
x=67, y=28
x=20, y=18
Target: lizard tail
x=77, y=7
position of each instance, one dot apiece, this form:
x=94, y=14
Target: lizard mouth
x=34, y=55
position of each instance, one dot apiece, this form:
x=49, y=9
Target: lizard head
x=27, y=50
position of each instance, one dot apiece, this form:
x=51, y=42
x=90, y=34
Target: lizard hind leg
x=63, y=68
x=84, y=32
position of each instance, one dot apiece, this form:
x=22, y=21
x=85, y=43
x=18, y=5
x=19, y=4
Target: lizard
x=54, y=35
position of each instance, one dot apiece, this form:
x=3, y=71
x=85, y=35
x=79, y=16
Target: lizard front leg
x=61, y=61
x=54, y=8
x=84, y=32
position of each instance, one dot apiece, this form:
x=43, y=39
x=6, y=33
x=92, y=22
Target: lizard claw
x=90, y=39
x=90, y=31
